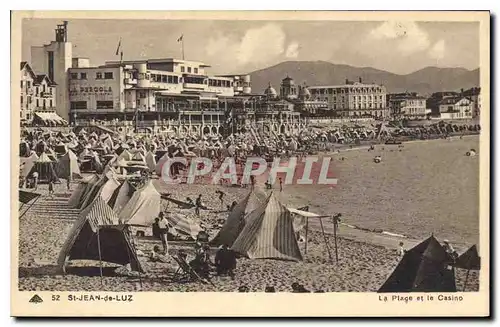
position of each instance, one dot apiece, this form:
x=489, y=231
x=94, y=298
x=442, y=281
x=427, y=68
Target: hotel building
x=38, y=94
x=353, y=99
x=407, y=105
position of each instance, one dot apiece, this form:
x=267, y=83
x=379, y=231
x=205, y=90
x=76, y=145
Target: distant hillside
x=424, y=81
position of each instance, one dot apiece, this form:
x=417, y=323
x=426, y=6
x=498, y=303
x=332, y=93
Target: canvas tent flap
x=469, y=259
x=97, y=236
x=237, y=218
x=143, y=207
x=268, y=233
x=424, y=268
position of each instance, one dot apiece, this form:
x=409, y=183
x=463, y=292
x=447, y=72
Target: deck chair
x=186, y=271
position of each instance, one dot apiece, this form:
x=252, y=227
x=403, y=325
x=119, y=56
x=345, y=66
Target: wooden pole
x=335, y=224
x=466, y=278
x=32, y=204
x=326, y=241
x=99, y=250
x=129, y=257
x=307, y=227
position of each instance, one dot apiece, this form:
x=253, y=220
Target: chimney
x=360, y=80
x=461, y=92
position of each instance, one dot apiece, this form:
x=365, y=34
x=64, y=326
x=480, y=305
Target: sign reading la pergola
x=83, y=90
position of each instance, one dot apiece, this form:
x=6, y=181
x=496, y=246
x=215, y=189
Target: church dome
x=270, y=91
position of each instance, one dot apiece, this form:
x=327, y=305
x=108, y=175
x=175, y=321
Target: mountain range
x=424, y=81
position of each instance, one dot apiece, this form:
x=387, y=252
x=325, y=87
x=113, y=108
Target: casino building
x=157, y=95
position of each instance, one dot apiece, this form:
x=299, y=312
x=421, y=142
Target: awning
x=51, y=117
x=306, y=214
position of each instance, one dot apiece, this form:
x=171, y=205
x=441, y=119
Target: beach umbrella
x=469, y=260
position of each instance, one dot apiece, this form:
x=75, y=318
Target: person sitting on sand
x=298, y=288
x=243, y=289
x=233, y=205
x=225, y=261
x=157, y=256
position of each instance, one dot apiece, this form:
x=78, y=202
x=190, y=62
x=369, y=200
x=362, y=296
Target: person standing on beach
x=35, y=180
x=221, y=198
x=163, y=230
x=51, y=187
x=281, y=184
x=198, y=205
x=402, y=250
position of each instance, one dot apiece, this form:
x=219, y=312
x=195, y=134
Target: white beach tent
x=150, y=161
x=121, y=196
x=143, y=207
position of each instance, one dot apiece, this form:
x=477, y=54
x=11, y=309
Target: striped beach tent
x=268, y=233
x=183, y=224
x=237, y=218
x=96, y=235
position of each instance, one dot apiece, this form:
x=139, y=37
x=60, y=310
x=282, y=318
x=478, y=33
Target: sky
x=239, y=46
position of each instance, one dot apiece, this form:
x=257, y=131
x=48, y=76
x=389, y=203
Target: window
x=164, y=78
x=22, y=99
x=28, y=84
x=83, y=75
x=37, y=103
x=98, y=75
x=44, y=88
x=51, y=64
x=104, y=104
x=182, y=69
x=44, y=104
x=22, y=84
x=74, y=76
x=142, y=95
x=50, y=90
x=51, y=103
x=196, y=70
x=189, y=69
x=78, y=104
x=153, y=77
x=29, y=99
x=108, y=75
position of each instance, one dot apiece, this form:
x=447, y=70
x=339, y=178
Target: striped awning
x=25, y=197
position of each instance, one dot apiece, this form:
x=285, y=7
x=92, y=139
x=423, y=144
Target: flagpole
x=182, y=40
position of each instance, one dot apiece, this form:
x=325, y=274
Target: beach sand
x=396, y=195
